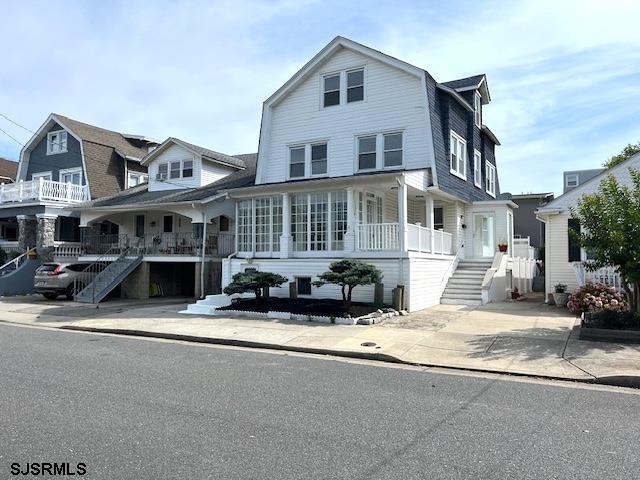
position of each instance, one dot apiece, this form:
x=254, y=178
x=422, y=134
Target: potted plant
x=560, y=295
x=503, y=246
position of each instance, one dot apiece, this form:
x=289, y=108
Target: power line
x=12, y=138
x=16, y=123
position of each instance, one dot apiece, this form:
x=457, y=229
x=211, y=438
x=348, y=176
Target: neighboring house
x=362, y=155
x=8, y=226
x=563, y=255
x=67, y=162
x=161, y=225
x=575, y=178
x=525, y=223
x=8, y=169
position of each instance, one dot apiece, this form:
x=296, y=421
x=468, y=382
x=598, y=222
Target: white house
x=563, y=256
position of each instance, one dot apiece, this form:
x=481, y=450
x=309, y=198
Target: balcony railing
x=43, y=190
x=386, y=236
x=185, y=244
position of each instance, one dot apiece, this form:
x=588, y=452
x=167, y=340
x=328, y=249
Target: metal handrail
x=92, y=271
x=16, y=261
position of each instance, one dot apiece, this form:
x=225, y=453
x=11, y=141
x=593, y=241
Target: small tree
x=349, y=274
x=626, y=153
x=610, y=231
x=254, y=281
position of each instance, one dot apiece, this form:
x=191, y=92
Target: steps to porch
x=108, y=279
x=465, y=285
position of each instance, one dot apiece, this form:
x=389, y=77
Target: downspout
x=204, y=238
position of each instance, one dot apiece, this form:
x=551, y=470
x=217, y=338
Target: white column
x=430, y=220
x=350, y=235
x=402, y=214
x=286, y=239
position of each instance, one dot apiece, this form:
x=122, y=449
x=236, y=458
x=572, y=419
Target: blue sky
x=564, y=75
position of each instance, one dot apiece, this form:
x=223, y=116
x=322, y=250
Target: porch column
x=402, y=215
x=350, y=234
x=430, y=220
x=27, y=228
x=285, y=239
x=46, y=235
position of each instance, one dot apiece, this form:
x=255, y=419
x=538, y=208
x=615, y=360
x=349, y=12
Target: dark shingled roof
x=8, y=169
x=212, y=155
x=464, y=82
x=101, y=136
x=141, y=195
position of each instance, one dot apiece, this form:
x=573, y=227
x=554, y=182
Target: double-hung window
x=392, y=149
x=297, y=162
x=477, y=107
x=56, y=142
x=331, y=90
x=319, y=159
x=174, y=170
x=367, y=153
x=187, y=168
x=458, y=156
x=355, y=85
x=477, y=168
x=490, y=176
x=163, y=170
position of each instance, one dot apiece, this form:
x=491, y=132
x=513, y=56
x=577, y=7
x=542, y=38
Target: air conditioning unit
x=160, y=177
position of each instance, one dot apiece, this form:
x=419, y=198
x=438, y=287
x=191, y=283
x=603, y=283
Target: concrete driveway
x=527, y=337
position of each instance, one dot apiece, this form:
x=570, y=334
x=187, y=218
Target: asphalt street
x=141, y=409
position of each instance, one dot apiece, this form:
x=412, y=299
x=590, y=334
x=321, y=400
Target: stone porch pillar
x=286, y=240
x=27, y=228
x=46, y=235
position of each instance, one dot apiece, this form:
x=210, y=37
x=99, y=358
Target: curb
x=617, y=381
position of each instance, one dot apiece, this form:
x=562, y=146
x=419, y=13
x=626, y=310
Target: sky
x=564, y=75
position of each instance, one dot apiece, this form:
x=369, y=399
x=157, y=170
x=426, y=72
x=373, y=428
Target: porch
x=42, y=190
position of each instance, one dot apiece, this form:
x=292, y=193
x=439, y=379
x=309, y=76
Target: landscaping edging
x=362, y=320
x=606, y=334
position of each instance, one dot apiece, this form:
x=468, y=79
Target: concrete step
x=469, y=275
x=463, y=296
x=465, y=281
x=472, y=261
x=453, y=301
x=462, y=289
x=471, y=268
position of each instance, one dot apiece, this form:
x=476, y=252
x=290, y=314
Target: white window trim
x=66, y=143
x=143, y=177
x=168, y=164
x=307, y=159
x=454, y=135
x=343, y=86
x=379, y=136
x=304, y=295
x=490, y=167
x=477, y=167
x=35, y=176
x=477, y=109
x=72, y=171
x=572, y=176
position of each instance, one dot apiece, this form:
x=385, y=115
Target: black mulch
x=301, y=306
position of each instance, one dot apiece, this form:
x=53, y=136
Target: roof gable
x=572, y=197
x=475, y=82
x=203, y=152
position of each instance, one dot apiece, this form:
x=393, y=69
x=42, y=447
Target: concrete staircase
x=465, y=285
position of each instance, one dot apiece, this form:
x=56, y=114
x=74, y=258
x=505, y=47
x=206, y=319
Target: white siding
x=427, y=279
x=557, y=266
x=393, y=100
x=500, y=225
x=212, y=172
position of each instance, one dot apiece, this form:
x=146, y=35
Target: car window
x=48, y=267
x=77, y=267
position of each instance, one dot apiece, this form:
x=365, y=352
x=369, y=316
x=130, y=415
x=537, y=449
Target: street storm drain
x=368, y=344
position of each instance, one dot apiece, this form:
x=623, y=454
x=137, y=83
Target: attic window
x=331, y=89
x=571, y=180
x=174, y=171
x=477, y=114
x=162, y=172
x=56, y=142
x=355, y=85
x=187, y=169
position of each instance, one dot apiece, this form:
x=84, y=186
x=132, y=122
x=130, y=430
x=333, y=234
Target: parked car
x=54, y=279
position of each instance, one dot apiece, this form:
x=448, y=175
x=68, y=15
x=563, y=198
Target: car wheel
x=50, y=296
x=70, y=292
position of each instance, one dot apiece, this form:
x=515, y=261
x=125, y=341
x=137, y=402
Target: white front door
x=483, y=235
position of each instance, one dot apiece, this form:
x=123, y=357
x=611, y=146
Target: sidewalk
x=527, y=338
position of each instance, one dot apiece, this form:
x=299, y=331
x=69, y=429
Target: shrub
x=349, y=274
x=596, y=296
x=253, y=281
x=613, y=319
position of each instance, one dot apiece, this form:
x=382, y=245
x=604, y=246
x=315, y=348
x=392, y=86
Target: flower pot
x=503, y=248
x=561, y=299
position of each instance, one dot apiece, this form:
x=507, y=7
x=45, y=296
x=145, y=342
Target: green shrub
x=253, y=281
x=348, y=274
x=615, y=320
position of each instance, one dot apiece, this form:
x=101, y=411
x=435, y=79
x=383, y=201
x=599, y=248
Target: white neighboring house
x=362, y=155
x=563, y=256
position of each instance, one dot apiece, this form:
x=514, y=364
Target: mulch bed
x=301, y=306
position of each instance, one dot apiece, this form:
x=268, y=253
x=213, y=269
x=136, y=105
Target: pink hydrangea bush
x=596, y=296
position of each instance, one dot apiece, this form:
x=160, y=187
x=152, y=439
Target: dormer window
x=174, y=171
x=56, y=142
x=163, y=170
x=332, y=90
x=187, y=168
x=571, y=180
x=355, y=85
x=478, y=109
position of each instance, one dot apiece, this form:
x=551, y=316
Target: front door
x=483, y=236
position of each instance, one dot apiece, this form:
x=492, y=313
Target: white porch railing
x=606, y=275
x=522, y=248
x=43, y=190
x=377, y=236
x=67, y=249
x=385, y=236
